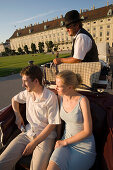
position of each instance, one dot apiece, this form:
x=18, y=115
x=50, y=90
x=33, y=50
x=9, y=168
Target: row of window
x=109, y=19
x=107, y=39
x=31, y=30
x=101, y=33
x=101, y=27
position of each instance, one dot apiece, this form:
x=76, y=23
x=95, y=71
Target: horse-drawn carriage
x=101, y=103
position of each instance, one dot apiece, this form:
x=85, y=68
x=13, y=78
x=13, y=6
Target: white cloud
x=38, y=16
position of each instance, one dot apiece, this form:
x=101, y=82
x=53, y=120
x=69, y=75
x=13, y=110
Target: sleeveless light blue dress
x=77, y=156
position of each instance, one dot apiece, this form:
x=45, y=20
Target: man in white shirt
x=42, y=114
x=84, y=48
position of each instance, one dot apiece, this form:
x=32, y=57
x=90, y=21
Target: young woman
x=76, y=149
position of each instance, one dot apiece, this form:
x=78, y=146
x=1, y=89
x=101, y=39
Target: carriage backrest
x=89, y=71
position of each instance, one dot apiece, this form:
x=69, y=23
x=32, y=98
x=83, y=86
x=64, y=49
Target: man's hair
x=80, y=24
x=34, y=72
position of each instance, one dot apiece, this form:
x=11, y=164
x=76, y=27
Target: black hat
x=72, y=17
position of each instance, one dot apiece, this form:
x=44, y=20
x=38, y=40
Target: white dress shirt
x=40, y=112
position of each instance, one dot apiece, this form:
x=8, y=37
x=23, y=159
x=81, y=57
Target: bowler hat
x=72, y=17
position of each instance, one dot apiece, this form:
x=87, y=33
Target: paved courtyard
x=9, y=86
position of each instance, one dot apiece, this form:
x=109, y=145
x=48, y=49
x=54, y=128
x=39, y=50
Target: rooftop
x=88, y=15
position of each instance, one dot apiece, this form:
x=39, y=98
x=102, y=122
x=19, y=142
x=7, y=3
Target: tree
x=26, y=49
x=50, y=45
x=41, y=47
x=13, y=52
x=20, y=51
x=56, y=47
x=4, y=53
x=8, y=51
x=33, y=48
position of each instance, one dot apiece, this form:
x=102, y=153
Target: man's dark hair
x=80, y=24
x=34, y=72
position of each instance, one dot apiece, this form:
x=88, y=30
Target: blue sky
x=16, y=14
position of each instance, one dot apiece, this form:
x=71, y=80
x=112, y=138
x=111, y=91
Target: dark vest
x=92, y=55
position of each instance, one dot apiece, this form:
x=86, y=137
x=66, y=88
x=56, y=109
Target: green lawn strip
x=13, y=64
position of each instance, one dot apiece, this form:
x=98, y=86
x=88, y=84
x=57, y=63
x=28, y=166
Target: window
x=58, y=40
x=109, y=12
x=101, y=27
x=94, y=28
x=30, y=31
x=82, y=17
x=109, y=19
x=94, y=22
x=101, y=21
x=61, y=23
x=100, y=34
x=45, y=27
x=107, y=39
x=107, y=33
x=94, y=35
x=17, y=34
x=108, y=26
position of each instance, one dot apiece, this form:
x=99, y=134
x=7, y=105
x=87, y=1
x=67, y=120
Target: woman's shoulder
x=83, y=99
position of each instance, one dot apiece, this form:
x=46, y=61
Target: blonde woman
x=76, y=149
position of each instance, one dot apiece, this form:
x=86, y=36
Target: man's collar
x=42, y=97
x=77, y=33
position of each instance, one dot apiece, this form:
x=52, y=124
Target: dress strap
x=61, y=101
x=80, y=98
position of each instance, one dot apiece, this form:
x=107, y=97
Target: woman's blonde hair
x=69, y=78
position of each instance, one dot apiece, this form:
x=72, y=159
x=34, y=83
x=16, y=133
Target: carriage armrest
x=7, y=123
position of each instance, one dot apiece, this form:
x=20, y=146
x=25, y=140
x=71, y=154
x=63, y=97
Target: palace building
x=99, y=22
x=4, y=45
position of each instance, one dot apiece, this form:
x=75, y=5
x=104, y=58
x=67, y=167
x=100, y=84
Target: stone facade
x=4, y=45
x=99, y=22
x=2, y=48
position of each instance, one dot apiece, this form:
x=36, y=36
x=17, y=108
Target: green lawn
x=13, y=64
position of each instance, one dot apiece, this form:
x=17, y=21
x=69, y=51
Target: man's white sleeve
x=83, y=44
x=21, y=97
x=53, y=110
